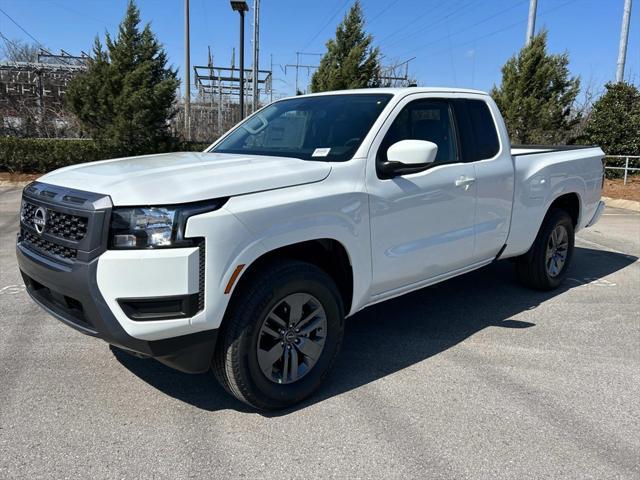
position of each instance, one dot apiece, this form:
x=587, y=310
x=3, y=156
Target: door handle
x=465, y=182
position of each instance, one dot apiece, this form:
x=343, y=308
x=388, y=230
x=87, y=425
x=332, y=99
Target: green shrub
x=26, y=155
x=29, y=155
x=614, y=123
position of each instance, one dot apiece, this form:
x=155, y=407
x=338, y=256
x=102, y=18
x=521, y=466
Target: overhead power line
x=504, y=29
x=440, y=7
x=382, y=12
x=464, y=29
x=38, y=42
x=22, y=28
x=325, y=25
x=7, y=40
x=439, y=21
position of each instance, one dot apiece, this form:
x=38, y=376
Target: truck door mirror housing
x=409, y=156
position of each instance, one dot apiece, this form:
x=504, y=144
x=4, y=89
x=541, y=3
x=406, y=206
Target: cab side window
x=484, y=129
x=430, y=120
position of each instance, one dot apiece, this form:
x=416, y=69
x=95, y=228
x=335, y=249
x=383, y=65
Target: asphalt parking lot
x=473, y=378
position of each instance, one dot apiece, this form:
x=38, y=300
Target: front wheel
x=545, y=265
x=281, y=335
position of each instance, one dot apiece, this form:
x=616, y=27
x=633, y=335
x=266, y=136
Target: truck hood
x=172, y=178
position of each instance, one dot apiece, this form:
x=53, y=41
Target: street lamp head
x=239, y=5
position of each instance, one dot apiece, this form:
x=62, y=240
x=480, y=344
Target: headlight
x=155, y=227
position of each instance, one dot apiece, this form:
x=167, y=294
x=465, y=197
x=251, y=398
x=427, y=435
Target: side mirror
x=409, y=156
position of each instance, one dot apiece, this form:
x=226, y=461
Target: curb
x=620, y=203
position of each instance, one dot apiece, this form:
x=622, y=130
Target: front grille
x=64, y=224
x=61, y=225
x=46, y=247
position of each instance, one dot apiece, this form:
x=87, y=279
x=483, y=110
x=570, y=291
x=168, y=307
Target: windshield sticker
x=321, y=152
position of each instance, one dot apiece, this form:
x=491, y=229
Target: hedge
x=31, y=155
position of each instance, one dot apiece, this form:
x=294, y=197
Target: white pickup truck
x=246, y=258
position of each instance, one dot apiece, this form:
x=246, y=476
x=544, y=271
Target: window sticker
x=321, y=152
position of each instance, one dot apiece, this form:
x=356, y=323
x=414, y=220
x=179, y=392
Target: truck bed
x=543, y=173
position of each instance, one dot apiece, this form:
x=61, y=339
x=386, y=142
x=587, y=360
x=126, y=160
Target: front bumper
x=68, y=271
x=71, y=295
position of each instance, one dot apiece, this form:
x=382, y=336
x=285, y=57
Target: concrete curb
x=620, y=203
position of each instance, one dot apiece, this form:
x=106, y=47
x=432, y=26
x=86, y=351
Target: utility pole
x=187, y=73
x=531, y=26
x=210, y=65
x=271, y=80
x=219, y=132
x=624, y=39
x=233, y=73
x=241, y=64
x=256, y=52
x=297, y=66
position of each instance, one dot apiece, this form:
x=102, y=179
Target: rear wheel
x=281, y=335
x=545, y=265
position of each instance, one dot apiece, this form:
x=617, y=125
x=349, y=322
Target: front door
x=422, y=224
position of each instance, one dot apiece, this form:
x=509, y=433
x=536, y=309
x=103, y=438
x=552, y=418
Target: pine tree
x=126, y=97
x=537, y=95
x=350, y=61
x=614, y=122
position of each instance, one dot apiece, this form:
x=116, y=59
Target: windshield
x=326, y=127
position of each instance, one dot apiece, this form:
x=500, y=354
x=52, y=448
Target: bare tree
x=19, y=51
x=583, y=107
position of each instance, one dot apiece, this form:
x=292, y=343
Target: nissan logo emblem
x=40, y=220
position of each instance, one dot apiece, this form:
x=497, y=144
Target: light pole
x=241, y=7
x=256, y=54
x=531, y=25
x=187, y=74
x=624, y=39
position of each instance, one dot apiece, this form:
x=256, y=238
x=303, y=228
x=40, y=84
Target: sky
x=459, y=43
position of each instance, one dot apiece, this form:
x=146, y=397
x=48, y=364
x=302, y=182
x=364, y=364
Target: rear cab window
x=477, y=129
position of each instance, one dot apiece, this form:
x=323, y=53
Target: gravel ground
x=473, y=378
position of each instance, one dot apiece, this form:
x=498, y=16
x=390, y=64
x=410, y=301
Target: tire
x=535, y=269
x=247, y=338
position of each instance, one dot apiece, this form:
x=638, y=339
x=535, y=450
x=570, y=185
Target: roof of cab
x=400, y=91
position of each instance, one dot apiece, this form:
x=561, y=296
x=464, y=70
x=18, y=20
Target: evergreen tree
x=350, y=61
x=614, y=123
x=537, y=95
x=126, y=97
